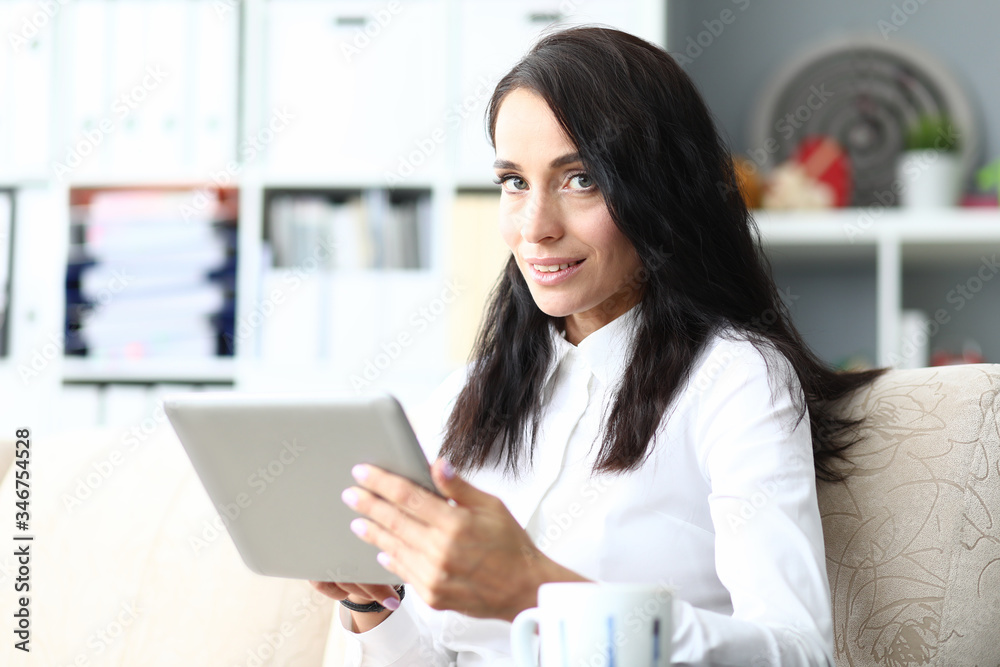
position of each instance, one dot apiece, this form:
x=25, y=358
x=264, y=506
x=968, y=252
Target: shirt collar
x=606, y=351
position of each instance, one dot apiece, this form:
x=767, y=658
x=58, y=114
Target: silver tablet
x=274, y=466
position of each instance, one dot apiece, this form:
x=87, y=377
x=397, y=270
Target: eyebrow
x=560, y=161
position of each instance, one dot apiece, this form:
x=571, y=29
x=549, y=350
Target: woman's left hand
x=463, y=552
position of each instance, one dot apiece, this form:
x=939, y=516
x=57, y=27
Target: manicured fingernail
x=390, y=603
x=350, y=497
x=358, y=527
x=360, y=472
x=448, y=470
x=383, y=560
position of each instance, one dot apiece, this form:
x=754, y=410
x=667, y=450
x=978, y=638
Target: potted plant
x=929, y=170
x=989, y=178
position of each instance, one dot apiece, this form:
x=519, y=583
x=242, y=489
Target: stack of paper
x=147, y=281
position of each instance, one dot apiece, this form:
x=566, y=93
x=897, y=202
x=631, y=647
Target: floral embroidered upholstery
x=913, y=535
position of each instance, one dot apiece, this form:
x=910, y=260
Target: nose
x=540, y=218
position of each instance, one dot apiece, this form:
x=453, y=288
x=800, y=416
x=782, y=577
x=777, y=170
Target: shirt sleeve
x=769, y=550
x=402, y=640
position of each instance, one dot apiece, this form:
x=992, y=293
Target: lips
x=549, y=272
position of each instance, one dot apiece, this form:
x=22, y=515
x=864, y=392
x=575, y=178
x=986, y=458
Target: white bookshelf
x=896, y=247
x=355, y=119
x=902, y=260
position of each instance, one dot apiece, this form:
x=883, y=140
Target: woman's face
x=552, y=215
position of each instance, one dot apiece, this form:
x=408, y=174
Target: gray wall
x=765, y=35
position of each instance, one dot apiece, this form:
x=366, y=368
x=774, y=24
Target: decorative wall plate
x=864, y=92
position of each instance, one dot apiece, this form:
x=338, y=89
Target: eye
x=582, y=182
x=511, y=183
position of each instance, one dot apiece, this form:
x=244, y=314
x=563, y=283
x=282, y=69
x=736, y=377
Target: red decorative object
x=824, y=160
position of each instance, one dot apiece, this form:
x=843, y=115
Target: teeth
x=552, y=268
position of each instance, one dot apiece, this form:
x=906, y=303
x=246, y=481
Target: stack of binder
x=371, y=229
x=151, y=275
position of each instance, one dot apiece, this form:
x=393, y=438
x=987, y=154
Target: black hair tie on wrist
x=373, y=606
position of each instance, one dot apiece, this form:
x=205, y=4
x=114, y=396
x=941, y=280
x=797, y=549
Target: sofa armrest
x=912, y=534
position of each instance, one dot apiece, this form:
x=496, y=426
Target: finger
x=415, y=500
x=433, y=585
x=451, y=486
x=389, y=516
x=330, y=589
x=395, y=555
x=360, y=593
x=380, y=593
x=340, y=590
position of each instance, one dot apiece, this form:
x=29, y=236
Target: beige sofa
x=913, y=537
x=130, y=566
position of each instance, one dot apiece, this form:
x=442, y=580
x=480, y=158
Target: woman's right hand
x=362, y=594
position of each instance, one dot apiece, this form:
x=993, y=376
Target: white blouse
x=723, y=510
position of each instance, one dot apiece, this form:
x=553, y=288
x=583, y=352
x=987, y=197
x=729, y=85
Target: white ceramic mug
x=595, y=624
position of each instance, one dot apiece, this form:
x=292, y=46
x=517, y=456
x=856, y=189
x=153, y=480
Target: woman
x=639, y=406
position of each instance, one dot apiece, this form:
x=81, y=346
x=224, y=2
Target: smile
x=552, y=268
x=553, y=274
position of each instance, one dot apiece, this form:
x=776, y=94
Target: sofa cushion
x=913, y=536
x=6, y=455
x=130, y=567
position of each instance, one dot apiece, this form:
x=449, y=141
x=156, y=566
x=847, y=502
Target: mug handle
x=522, y=630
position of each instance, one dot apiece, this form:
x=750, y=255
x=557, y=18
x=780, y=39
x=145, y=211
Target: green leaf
x=932, y=133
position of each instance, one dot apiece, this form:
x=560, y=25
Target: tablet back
x=274, y=466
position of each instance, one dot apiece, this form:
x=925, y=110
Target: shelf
x=149, y=371
x=863, y=226
x=168, y=180
x=809, y=228
x=945, y=237
x=307, y=181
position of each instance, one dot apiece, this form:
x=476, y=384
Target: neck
x=580, y=325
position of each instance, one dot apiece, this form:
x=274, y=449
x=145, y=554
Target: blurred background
x=297, y=195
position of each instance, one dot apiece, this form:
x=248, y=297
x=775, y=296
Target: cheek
x=623, y=262
x=631, y=269
x=510, y=231
x=599, y=231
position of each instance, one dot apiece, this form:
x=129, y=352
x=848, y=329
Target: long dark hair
x=647, y=139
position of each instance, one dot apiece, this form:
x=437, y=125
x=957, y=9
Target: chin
x=557, y=307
